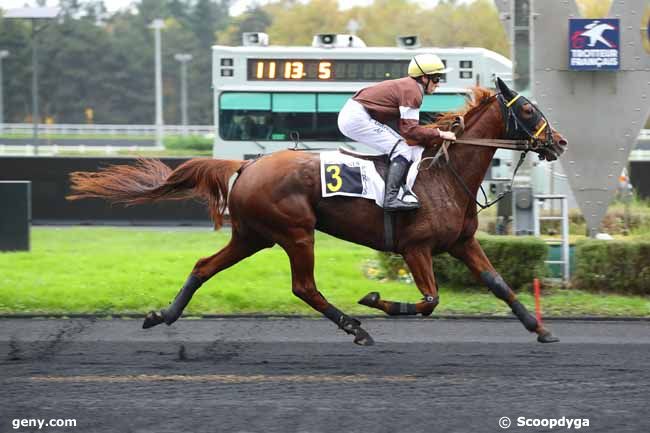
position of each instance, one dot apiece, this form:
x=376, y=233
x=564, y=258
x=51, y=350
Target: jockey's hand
x=447, y=136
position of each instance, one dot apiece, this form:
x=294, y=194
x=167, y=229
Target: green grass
x=118, y=271
x=141, y=152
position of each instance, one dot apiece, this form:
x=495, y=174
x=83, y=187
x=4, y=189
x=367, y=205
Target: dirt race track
x=301, y=375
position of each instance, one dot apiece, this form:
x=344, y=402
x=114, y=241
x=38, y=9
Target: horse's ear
x=503, y=88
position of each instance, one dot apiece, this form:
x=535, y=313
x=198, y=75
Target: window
x=465, y=69
x=280, y=116
x=294, y=103
x=442, y=103
x=262, y=116
x=227, y=72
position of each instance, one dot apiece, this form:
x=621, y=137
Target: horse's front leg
x=420, y=263
x=471, y=253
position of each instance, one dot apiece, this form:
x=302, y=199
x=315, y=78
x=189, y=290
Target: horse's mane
x=479, y=94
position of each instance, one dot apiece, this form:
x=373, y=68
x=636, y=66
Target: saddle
x=380, y=160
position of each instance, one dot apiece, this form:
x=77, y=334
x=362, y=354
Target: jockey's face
x=431, y=82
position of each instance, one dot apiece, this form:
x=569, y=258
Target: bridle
x=519, y=136
x=516, y=128
x=519, y=133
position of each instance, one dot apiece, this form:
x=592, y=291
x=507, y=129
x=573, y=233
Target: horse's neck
x=472, y=162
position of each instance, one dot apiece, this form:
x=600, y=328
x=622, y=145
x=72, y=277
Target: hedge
x=190, y=142
x=614, y=266
x=518, y=259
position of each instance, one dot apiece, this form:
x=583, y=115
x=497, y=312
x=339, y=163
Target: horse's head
x=524, y=121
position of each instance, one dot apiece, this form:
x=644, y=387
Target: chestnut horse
x=277, y=200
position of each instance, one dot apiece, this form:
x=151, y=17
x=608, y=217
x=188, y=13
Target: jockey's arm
x=416, y=134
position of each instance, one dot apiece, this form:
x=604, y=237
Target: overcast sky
x=237, y=8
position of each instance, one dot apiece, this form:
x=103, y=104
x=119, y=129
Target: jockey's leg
x=471, y=253
x=236, y=250
x=419, y=262
x=356, y=123
x=395, y=179
x=299, y=245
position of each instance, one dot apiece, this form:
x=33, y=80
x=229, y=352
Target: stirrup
x=399, y=205
x=409, y=197
x=408, y=202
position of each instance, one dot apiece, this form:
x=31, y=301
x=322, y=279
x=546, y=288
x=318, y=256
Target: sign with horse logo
x=594, y=44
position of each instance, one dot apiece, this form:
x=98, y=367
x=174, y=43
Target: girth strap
x=389, y=234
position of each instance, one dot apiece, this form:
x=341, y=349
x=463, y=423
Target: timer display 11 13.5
x=325, y=70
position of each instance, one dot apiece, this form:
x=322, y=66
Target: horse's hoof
x=362, y=338
x=349, y=324
x=547, y=337
x=431, y=302
x=152, y=319
x=370, y=300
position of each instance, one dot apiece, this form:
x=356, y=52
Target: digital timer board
x=325, y=70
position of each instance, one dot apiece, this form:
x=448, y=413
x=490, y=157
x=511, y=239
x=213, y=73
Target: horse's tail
x=150, y=180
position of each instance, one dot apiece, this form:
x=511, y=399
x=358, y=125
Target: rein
x=520, y=145
x=501, y=195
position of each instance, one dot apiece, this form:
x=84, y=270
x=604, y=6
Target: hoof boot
x=152, y=319
x=370, y=300
x=350, y=325
x=362, y=338
x=547, y=337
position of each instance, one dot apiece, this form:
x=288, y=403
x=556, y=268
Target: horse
x=276, y=199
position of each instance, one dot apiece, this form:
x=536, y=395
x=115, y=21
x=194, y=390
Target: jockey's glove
x=447, y=135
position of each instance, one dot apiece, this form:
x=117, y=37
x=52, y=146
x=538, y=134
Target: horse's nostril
x=562, y=142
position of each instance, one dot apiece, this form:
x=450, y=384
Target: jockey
x=364, y=116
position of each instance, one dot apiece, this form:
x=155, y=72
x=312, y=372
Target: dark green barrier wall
x=14, y=215
x=50, y=185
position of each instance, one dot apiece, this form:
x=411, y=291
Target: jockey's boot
x=395, y=177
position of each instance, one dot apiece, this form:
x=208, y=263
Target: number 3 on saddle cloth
x=343, y=174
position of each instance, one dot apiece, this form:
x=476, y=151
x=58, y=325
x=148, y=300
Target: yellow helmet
x=426, y=64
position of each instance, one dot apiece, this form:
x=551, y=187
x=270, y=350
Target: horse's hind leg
x=420, y=263
x=299, y=245
x=237, y=249
x=471, y=253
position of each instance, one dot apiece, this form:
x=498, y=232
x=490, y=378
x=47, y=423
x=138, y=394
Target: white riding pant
x=355, y=123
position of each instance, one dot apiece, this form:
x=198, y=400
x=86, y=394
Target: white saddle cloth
x=346, y=175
